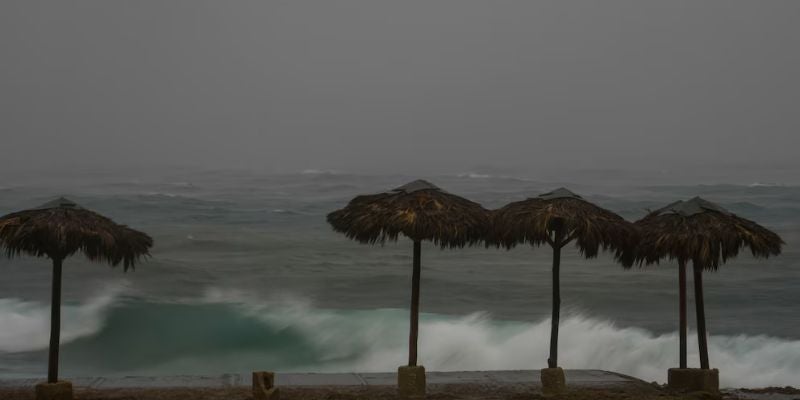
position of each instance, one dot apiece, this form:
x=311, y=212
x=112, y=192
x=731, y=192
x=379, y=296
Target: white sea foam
x=765, y=184
x=477, y=343
x=319, y=172
x=473, y=175
x=25, y=325
x=376, y=340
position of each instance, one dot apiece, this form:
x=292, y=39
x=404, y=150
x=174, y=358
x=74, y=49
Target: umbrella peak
x=693, y=206
x=416, y=185
x=560, y=193
x=61, y=202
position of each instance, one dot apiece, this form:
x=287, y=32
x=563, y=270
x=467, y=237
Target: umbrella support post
x=411, y=378
x=682, y=312
x=411, y=382
x=414, y=331
x=552, y=361
x=55, y=322
x=701, y=316
x=54, y=389
x=694, y=380
x=552, y=378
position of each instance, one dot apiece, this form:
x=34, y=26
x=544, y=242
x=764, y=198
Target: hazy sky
x=405, y=86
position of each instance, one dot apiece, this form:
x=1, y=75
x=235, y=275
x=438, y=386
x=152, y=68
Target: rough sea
x=246, y=275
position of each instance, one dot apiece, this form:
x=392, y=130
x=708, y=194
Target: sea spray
x=377, y=341
x=25, y=325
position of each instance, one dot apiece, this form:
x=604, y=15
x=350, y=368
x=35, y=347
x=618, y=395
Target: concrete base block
x=264, y=386
x=411, y=382
x=693, y=379
x=553, y=381
x=61, y=390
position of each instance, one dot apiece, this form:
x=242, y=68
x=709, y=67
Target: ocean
x=246, y=275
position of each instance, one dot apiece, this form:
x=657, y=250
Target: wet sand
x=470, y=385
x=438, y=392
x=435, y=392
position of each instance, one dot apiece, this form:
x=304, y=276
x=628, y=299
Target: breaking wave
x=233, y=332
x=25, y=325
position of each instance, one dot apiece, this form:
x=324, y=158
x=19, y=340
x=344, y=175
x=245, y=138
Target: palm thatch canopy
x=418, y=210
x=60, y=228
x=702, y=232
x=534, y=220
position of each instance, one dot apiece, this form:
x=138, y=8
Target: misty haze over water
x=413, y=87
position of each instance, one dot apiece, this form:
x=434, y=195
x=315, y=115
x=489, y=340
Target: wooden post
x=701, y=316
x=552, y=362
x=682, y=290
x=412, y=340
x=55, y=322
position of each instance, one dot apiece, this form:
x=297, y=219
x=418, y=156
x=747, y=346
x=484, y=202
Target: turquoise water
x=246, y=275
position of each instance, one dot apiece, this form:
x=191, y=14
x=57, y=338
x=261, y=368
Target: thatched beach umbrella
x=59, y=229
x=707, y=235
x=421, y=212
x=558, y=218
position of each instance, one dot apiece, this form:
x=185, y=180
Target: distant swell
x=235, y=332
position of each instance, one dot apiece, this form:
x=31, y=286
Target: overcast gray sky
x=378, y=86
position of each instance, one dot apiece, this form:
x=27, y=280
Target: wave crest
x=232, y=331
x=377, y=340
x=26, y=324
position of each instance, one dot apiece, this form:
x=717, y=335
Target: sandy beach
x=438, y=392
x=466, y=385
x=466, y=392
